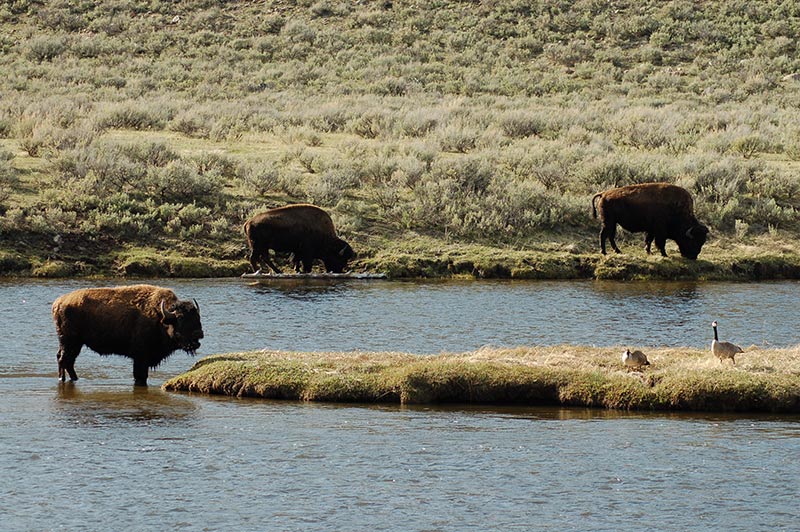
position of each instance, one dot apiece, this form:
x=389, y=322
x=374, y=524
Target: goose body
x=724, y=350
x=634, y=360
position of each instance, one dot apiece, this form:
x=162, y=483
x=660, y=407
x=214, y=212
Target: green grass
x=678, y=378
x=448, y=138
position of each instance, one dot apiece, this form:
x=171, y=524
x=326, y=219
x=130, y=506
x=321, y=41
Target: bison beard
x=660, y=210
x=143, y=322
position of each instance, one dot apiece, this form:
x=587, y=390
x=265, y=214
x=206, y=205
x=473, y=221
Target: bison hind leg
x=296, y=262
x=609, y=231
x=661, y=244
x=253, y=261
x=648, y=241
x=61, y=370
x=66, y=363
x=266, y=259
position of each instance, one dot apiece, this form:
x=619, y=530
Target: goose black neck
x=715, y=333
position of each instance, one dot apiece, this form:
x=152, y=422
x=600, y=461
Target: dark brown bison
x=143, y=322
x=660, y=210
x=305, y=231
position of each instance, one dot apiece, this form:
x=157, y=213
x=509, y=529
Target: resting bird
x=723, y=350
x=634, y=360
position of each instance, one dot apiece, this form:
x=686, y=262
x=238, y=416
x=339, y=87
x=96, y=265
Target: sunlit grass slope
x=448, y=137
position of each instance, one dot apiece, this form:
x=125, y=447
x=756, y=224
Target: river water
x=100, y=454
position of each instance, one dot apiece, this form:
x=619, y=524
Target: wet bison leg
x=67, y=353
x=140, y=372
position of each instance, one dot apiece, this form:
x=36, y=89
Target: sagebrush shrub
x=131, y=116
x=46, y=47
x=8, y=177
x=372, y=124
x=181, y=182
x=260, y=177
x=521, y=124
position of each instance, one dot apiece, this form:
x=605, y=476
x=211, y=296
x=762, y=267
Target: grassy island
x=445, y=138
x=678, y=378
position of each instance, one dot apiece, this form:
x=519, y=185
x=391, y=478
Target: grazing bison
x=303, y=230
x=660, y=210
x=143, y=322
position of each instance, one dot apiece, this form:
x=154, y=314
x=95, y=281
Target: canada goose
x=634, y=360
x=723, y=350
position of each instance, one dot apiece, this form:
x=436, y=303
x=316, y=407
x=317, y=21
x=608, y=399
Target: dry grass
x=678, y=378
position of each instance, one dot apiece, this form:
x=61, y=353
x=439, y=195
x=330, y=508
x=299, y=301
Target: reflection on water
x=684, y=290
x=302, y=289
x=108, y=406
x=557, y=413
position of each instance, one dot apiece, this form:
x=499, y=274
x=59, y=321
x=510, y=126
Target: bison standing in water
x=303, y=230
x=660, y=210
x=143, y=322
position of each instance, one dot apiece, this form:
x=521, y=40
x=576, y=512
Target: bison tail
x=594, y=207
x=246, y=228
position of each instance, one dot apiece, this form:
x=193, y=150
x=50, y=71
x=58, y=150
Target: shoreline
x=452, y=262
x=679, y=379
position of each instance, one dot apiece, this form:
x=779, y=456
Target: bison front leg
x=140, y=372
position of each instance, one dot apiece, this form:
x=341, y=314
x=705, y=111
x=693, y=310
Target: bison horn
x=196, y=305
x=689, y=232
x=341, y=251
x=164, y=312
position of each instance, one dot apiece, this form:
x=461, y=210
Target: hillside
x=444, y=137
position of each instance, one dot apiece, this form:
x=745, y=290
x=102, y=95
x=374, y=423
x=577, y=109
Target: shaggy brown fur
x=143, y=322
x=304, y=230
x=661, y=210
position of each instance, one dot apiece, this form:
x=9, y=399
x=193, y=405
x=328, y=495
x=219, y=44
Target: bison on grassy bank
x=306, y=231
x=143, y=322
x=660, y=210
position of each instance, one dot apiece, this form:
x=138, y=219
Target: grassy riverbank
x=412, y=255
x=678, y=379
x=446, y=138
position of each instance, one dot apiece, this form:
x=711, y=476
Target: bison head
x=182, y=323
x=692, y=240
x=338, y=256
